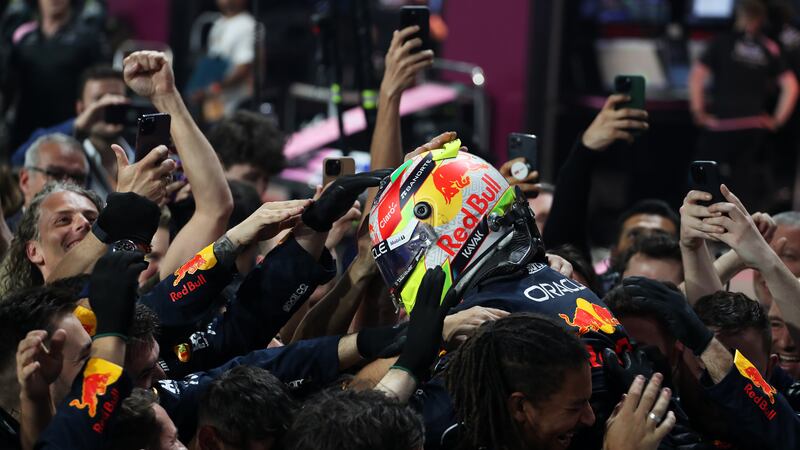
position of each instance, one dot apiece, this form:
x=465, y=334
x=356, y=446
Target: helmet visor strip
x=397, y=256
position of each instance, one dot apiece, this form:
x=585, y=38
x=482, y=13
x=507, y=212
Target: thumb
x=122, y=157
x=57, y=342
x=778, y=245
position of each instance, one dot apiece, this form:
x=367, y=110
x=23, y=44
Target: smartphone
x=153, y=131
x=124, y=114
x=419, y=16
x=632, y=86
x=522, y=145
x=704, y=176
x=333, y=168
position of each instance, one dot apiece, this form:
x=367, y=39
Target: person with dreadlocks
x=534, y=382
x=448, y=208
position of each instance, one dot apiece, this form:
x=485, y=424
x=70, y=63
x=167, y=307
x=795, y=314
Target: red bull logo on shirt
x=201, y=261
x=758, y=390
x=591, y=317
x=98, y=375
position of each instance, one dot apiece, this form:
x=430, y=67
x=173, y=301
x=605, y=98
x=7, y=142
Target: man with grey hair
x=52, y=157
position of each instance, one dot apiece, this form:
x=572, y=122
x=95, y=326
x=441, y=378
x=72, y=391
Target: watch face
x=124, y=246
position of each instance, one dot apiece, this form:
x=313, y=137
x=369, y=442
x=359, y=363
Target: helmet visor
x=397, y=256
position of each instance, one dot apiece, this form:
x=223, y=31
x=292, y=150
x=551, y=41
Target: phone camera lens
x=333, y=167
x=624, y=84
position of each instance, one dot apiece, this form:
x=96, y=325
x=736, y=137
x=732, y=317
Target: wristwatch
x=127, y=245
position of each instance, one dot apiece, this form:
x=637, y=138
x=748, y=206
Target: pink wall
x=148, y=19
x=493, y=35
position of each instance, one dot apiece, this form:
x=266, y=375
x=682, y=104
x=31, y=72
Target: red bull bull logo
x=749, y=371
x=591, y=317
x=201, y=261
x=474, y=208
x=87, y=318
x=183, y=352
x=450, y=178
x=98, y=375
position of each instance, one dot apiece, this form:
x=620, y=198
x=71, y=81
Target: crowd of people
x=145, y=307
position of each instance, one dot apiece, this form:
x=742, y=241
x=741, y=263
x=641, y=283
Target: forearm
x=785, y=290
x=787, y=99
x=80, y=259
x=312, y=241
x=200, y=164
x=334, y=312
x=348, y=352
x=35, y=415
x=700, y=278
x=717, y=359
x=398, y=384
x=386, y=147
x=697, y=80
x=728, y=265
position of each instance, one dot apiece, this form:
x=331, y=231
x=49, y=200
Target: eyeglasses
x=78, y=178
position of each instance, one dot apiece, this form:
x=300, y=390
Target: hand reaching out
x=402, y=65
x=693, y=228
x=148, y=177
x=460, y=326
x=613, y=124
x=38, y=366
x=433, y=144
x=529, y=185
x=638, y=421
x=268, y=220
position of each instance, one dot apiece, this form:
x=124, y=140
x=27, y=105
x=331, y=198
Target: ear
x=34, y=253
x=24, y=177
x=520, y=408
x=79, y=107
x=772, y=361
x=207, y=438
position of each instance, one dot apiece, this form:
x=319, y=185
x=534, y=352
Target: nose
x=81, y=224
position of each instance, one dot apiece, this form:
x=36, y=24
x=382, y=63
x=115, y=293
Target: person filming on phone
x=740, y=66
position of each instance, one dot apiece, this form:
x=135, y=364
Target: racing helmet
x=451, y=209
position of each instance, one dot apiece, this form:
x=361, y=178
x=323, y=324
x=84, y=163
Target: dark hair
x=249, y=138
x=622, y=304
x=17, y=271
x=649, y=206
x=36, y=308
x=657, y=244
x=98, y=72
x=579, y=265
x=143, y=331
x=136, y=427
x=522, y=352
x=73, y=285
x=356, y=420
x=245, y=202
x=734, y=312
x=247, y=403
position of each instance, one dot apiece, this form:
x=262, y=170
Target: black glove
x=112, y=291
x=672, y=305
x=620, y=377
x=424, y=337
x=127, y=216
x=338, y=198
x=381, y=342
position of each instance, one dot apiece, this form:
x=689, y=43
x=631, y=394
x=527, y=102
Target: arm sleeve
x=267, y=298
x=567, y=221
x=760, y=415
x=187, y=295
x=314, y=362
x=18, y=157
x=89, y=410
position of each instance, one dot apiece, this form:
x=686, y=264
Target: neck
x=51, y=23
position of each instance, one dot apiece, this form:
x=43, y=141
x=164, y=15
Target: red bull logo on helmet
x=591, y=317
x=98, y=375
x=201, y=261
x=474, y=208
x=452, y=176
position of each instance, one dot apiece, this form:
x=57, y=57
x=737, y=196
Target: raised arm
x=698, y=267
x=787, y=99
x=149, y=74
